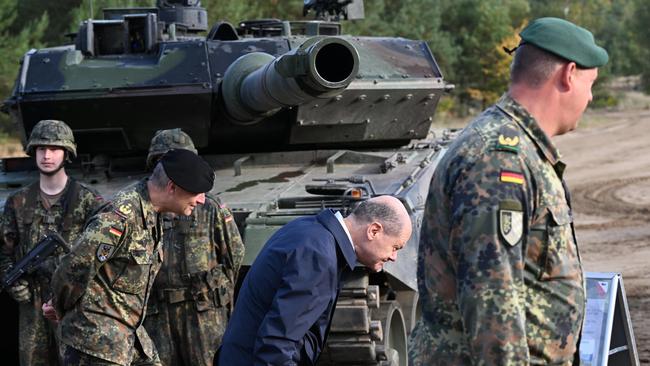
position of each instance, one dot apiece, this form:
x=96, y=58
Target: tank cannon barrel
x=257, y=84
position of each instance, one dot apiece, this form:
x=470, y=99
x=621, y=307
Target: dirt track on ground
x=609, y=174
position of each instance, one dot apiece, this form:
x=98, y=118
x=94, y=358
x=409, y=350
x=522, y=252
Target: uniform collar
x=328, y=219
x=149, y=215
x=62, y=194
x=528, y=123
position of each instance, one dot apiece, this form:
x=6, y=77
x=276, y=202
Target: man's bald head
x=379, y=227
x=387, y=210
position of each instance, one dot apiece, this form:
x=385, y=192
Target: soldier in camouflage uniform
x=192, y=295
x=57, y=203
x=102, y=286
x=499, y=273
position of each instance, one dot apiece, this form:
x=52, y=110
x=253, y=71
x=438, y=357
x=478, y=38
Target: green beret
x=566, y=40
x=188, y=171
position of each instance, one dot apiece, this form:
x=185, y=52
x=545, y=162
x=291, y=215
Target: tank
x=293, y=116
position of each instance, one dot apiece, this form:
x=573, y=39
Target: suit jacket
x=287, y=299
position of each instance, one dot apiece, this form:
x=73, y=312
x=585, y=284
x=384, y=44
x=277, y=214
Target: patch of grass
x=628, y=101
x=594, y=118
x=10, y=146
x=634, y=100
x=605, y=100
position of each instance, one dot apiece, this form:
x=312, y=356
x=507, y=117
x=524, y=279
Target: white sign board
x=607, y=336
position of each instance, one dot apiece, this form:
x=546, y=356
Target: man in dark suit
x=287, y=299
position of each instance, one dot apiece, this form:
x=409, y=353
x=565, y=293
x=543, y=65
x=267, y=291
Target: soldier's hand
x=20, y=291
x=49, y=312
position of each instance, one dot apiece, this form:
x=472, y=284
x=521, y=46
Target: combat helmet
x=51, y=132
x=165, y=140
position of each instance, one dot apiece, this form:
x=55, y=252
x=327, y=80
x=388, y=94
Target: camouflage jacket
x=26, y=221
x=203, y=253
x=101, y=287
x=499, y=273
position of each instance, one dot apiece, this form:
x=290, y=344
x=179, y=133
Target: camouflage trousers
x=74, y=357
x=426, y=345
x=184, y=335
x=38, y=344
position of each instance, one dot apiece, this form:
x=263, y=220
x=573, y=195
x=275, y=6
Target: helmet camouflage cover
x=51, y=132
x=165, y=140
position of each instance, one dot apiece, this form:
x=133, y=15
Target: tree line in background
x=466, y=36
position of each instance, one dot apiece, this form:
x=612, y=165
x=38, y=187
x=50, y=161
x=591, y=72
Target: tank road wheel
x=394, y=349
x=411, y=310
x=392, y=358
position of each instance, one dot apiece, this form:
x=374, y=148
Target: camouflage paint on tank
x=68, y=70
x=135, y=94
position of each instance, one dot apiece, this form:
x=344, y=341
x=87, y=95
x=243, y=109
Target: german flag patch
x=511, y=177
x=227, y=216
x=115, y=231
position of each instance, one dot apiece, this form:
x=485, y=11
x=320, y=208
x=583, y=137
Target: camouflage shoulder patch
x=508, y=143
x=511, y=225
x=104, y=252
x=511, y=221
x=124, y=211
x=508, y=139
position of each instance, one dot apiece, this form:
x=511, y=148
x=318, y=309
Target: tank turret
x=126, y=77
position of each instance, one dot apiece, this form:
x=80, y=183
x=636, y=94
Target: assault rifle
x=33, y=260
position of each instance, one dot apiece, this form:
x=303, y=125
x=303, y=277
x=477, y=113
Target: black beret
x=188, y=170
x=566, y=40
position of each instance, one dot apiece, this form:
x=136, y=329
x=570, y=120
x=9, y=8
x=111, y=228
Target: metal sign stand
x=607, y=335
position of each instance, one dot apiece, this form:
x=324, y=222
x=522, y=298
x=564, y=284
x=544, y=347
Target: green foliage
x=641, y=34
x=604, y=100
x=480, y=28
x=609, y=20
x=32, y=10
x=237, y=11
x=13, y=44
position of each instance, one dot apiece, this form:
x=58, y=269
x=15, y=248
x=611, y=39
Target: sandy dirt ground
x=608, y=160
